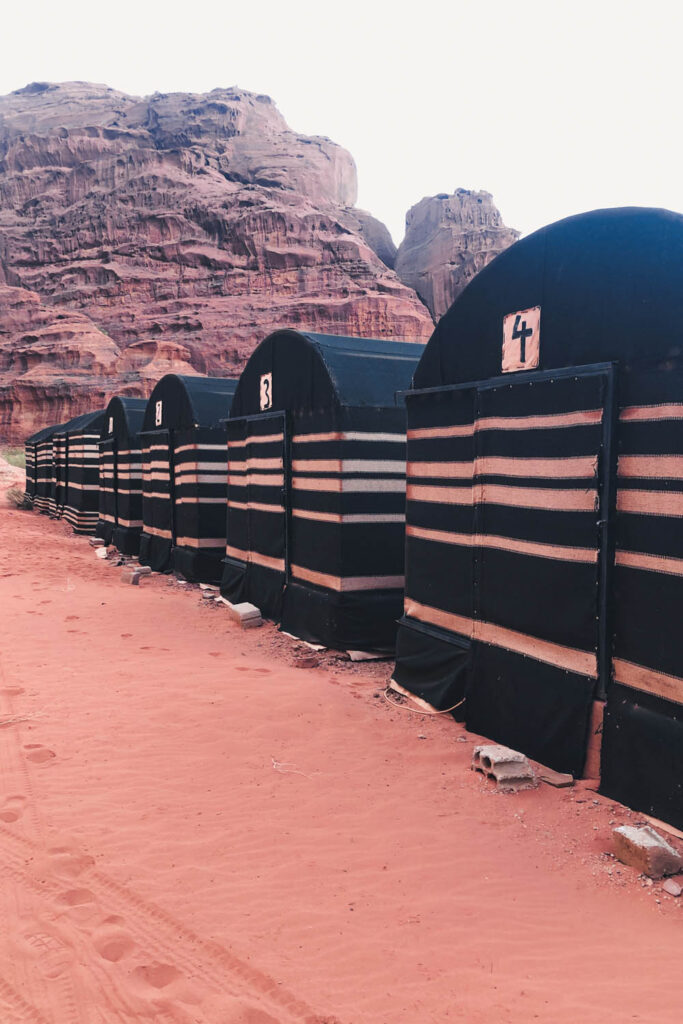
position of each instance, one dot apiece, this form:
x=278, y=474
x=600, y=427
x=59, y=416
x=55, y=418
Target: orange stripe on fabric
x=666, y=467
x=555, y=499
x=666, y=411
x=451, y=495
x=651, y=503
x=523, y=547
x=648, y=680
x=650, y=563
x=256, y=557
x=582, y=662
x=345, y=584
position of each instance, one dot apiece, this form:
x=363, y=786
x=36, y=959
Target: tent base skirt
x=362, y=621
x=197, y=565
x=432, y=665
x=105, y=530
x=642, y=754
x=125, y=540
x=155, y=552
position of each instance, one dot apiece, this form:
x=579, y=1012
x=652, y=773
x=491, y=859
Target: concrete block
x=144, y=570
x=131, y=576
x=307, y=661
x=645, y=850
x=509, y=769
x=101, y=553
x=591, y=769
x=96, y=542
x=252, y=623
x=244, y=611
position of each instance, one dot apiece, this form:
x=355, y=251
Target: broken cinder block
x=509, y=769
x=645, y=850
x=132, y=576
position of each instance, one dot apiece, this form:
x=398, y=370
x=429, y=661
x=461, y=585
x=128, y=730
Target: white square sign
x=266, y=392
x=158, y=413
x=522, y=340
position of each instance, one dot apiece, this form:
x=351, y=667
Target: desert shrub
x=15, y=456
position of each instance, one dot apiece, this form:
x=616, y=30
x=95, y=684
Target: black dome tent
x=43, y=499
x=544, y=563
x=316, y=486
x=184, y=473
x=77, y=471
x=31, y=448
x=120, y=511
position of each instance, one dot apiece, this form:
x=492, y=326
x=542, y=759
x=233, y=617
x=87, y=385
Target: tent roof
x=315, y=371
x=87, y=420
x=189, y=401
x=609, y=284
x=46, y=432
x=127, y=414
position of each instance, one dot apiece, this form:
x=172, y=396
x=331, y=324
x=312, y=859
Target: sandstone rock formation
x=449, y=239
x=171, y=232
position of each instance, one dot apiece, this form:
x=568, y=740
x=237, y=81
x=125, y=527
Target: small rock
x=644, y=849
x=672, y=887
x=307, y=661
x=558, y=779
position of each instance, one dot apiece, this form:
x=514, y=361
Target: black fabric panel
x=530, y=706
x=440, y=575
x=433, y=668
x=608, y=284
x=347, y=621
x=233, y=581
x=642, y=754
x=548, y=598
x=157, y=505
x=264, y=588
x=644, y=606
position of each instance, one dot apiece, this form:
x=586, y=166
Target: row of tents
x=504, y=504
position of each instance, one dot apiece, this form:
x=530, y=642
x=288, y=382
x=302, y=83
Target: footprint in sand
x=71, y=618
x=12, y=691
x=12, y=809
x=76, y=897
x=66, y=862
x=111, y=940
x=256, y=671
x=38, y=754
x=126, y=636
x=157, y=975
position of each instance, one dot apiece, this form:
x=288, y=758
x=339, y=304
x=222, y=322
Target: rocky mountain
x=172, y=231
x=449, y=239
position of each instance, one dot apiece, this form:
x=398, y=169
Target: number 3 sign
x=266, y=394
x=522, y=340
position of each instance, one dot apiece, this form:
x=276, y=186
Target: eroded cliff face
x=171, y=232
x=449, y=239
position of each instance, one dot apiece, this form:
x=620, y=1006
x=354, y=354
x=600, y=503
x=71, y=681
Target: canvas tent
x=31, y=456
x=316, y=491
x=43, y=499
x=545, y=502
x=184, y=472
x=77, y=471
x=120, y=495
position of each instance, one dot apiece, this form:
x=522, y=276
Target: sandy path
x=194, y=831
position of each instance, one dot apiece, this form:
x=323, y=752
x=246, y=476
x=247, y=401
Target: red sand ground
x=194, y=831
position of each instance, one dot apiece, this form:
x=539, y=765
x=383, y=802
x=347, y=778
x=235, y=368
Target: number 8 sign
x=522, y=340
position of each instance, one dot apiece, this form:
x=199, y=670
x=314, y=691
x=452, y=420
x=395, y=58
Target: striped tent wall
x=644, y=718
x=200, y=470
x=507, y=488
x=156, y=539
x=120, y=455
x=59, y=477
x=31, y=463
x=45, y=469
x=81, y=508
x=106, y=520
x=128, y=481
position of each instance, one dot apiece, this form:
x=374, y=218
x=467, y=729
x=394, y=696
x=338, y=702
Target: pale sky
x=554, y=107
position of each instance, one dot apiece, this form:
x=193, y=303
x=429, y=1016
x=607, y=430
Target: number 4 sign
x=522, y=340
